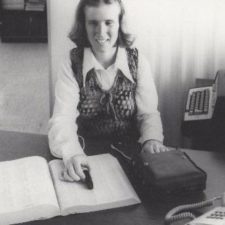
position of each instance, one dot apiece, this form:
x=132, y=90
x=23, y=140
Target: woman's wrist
x=67, y=155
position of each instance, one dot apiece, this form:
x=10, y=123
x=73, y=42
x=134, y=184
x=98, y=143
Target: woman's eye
x=109, y=22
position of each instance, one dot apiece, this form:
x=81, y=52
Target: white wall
x=60, y=19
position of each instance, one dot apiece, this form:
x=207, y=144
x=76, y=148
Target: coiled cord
x=180, y=216
x=178, y=213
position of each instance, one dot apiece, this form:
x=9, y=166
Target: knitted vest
x=110, y=113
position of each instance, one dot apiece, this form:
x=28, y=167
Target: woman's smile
x=102, y=41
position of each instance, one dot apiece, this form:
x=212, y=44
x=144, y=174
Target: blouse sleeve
x=148, y=116
x=62, y=135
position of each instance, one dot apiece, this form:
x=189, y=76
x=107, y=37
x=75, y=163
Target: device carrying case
x=170, y=172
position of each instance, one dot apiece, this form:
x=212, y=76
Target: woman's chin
x=103, y=48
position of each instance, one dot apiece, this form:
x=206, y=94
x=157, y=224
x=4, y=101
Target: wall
x=60, y=20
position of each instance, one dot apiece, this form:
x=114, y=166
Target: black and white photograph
x=112, y=112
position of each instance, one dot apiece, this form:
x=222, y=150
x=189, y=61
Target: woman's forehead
x=103, y=11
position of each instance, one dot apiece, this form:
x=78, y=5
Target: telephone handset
x=215, y=216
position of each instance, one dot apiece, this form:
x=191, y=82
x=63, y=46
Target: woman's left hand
x=153, y=146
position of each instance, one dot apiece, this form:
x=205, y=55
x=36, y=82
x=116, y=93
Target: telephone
x=215, y=216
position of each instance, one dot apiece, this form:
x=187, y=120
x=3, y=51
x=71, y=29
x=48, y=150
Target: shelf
x=24, y=26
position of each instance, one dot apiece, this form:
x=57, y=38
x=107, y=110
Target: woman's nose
x=101, y=29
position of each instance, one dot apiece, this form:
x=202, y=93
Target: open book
x=31, y=189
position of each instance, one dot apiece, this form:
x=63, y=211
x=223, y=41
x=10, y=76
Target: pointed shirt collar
x=90, y=62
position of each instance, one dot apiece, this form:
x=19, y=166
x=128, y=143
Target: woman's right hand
x=73, y=168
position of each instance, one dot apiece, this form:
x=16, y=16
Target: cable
x=178, y=213
x=121, y=153
x=180, y=216
x=83, y=142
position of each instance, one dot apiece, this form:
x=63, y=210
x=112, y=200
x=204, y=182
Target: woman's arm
x=62, y=135
x=148, y=116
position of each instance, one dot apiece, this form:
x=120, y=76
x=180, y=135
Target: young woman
x=105, y=89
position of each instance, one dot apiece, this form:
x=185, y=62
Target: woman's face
x=102, y=26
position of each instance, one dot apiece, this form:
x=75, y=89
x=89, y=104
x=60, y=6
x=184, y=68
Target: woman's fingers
x=77, y=164
x=72, y=172
x=65, y=177
x=154, y=146
x=74, y=166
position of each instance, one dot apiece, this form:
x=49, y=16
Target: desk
x=151, y=212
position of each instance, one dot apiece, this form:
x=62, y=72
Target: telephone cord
x=178, y=213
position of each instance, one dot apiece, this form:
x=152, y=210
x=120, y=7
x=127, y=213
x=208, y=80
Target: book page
x=111, y=187
x=26, y=191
